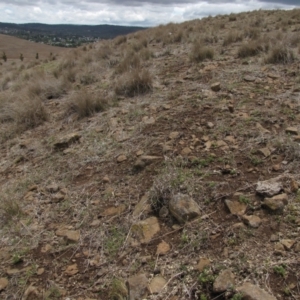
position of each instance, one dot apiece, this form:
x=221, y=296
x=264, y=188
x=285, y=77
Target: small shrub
x=280, y=55
x=250, y=49
x=232, y=37
x=232, y=18
x=130, y=61
x=200, y=53
x=86, y=104
x=146, y=54
x=134, y=83
x=103, y=52
x=120, y=40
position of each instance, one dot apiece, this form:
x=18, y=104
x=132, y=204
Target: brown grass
x=280, y=55
x=252, y=48
x=85, y=104
x=129, y=62
x=134, y=83
x=200, y=53
x=232, y=37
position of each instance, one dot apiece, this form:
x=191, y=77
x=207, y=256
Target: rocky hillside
x=160, y=165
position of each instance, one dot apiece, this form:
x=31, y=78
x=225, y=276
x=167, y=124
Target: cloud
x=126, y=12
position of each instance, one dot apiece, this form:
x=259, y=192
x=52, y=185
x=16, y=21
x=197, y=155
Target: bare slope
x=13, y=47
x=137, y=168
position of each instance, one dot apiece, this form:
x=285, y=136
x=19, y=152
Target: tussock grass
x=280, y=55
x=23, y=111
x=200, y=53
x=252, y=48
x=232, y=37
x=134, y=83
x=129, y=62
x=85, y=104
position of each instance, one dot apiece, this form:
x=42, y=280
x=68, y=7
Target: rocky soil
x=186, y=190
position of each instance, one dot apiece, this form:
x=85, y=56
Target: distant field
x=13, y=47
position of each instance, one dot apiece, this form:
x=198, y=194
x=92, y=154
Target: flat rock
x=236, y=207
x=143, y=207
x=163, y=248
x=146, y=229
x=121, y=158
x=252, y=221
x=183, y=208
x=113, y=211
x=174, y=135
x=253, y=292
x=3, y=283
x=138, y=286
x=292, y=130
x=224, y=281
x=186, y=151
x=72, y=270
x=67, y=140
x=70, y=235
x=148, y=120
x=157, y=284
x=216, y=87
x=261, y=128
x=52, y=188
x=273, y=75
x=202, y=264
x=264, y=151
x=269, y=188
x=288, y=243
x=249, y=78
x=276, y=203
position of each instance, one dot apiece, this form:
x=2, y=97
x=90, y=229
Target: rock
x=163, y=212
x=121, y=136
x=148, y=120
x=183, y=208
x=279, y=249
x=137, y=286
x=40, y=271
x=210, y=125
x=253, y=292
x=292, y=130
x=139, y=164
x=276, y=203
x=249, y=78
x=261, y=128
x=156, y=285
x=70, y=235
x=163, y=248
x=71, y=270
x=121, y=158
x=105, y=179
x=224, y=281
x=143, y=207
x=186, y=151
x=58, y=197
x=264, y=151
x=31, y=293
x=287, y=243
x=202, y=264
x=139, y=153
x=273, y=75
x=3, y=283
x=252, y=221
x=216, y=87
x=113, y=211
x=52, y=188
x=146, y=229
x=230, y=108
x=294, y=185
x=269, y=188
x=297, y=248
x=67, y=140
x=236, y=207
x=174, y=135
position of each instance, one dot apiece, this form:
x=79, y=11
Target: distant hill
x=65, y=35
x=14, y=46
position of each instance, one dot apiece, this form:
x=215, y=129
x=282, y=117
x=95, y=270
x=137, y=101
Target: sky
x=127, y=12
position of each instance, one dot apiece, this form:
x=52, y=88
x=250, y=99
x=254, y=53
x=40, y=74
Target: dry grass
x=85, y=104
x=232, y=37
x=280, y=55
x=252, y=48
x=200, y=53
x=134, y=83
x=23, y=111
x=130, y=61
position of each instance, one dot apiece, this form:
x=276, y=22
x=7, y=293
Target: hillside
x=159, y=165
x=13, y=47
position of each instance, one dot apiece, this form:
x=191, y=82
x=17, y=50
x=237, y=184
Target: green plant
x=244, y=199
x=280, y=270
x=206, y=277
x=237, y=296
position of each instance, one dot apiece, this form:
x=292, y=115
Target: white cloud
x=126, y=12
